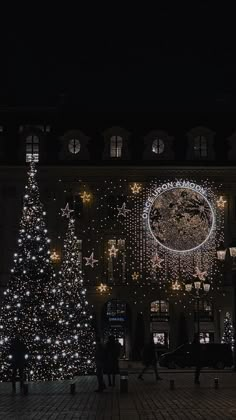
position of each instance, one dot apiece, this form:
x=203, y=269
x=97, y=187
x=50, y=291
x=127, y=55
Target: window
x=158, y=146
x=116, y=308
x=161, y=339
x=32, y=148
x=116, y=146
x=206, y=337
x=160, y=310
x=74, y=146
x=206, y=312
x=200, y=147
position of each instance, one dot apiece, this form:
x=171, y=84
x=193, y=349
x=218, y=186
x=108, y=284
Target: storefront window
x=206, y=337
x=161, y=339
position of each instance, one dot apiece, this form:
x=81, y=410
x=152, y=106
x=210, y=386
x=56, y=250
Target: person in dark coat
x=112, y=353
x=149, y=359
x=100, y=360
x=18, y=350
x=197, y=355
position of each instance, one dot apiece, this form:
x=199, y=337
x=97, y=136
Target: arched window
x=200, y=147
x=32, y=148
x=158, y=146
x=160, y=310
x=116, y=143
x=74, y=146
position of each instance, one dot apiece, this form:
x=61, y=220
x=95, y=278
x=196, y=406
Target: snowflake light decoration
x=86, y=197
x=221, y=202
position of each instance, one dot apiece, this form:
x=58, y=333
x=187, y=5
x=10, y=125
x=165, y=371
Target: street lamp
x=221, y=255
x=198, y=289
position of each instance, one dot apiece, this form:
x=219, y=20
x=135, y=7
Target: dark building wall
x=59, y=175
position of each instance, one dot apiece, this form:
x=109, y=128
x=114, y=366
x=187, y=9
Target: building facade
x=106, y=174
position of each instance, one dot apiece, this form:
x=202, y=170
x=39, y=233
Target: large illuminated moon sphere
x=181, y=219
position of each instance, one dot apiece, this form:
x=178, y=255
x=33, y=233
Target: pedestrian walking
x=18, y=351
x=197, y=355
x=150, y=359
x=112, y=353
x=99, y=361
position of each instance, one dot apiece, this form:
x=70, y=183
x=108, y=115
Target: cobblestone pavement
x=145, y=400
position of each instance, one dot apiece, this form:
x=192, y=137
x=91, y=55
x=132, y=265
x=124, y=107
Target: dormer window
x=74, y=146
x=200, y=147
x=158, y=146
x=32, y=148
x=116, y=143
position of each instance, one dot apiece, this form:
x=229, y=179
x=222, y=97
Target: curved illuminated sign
x=180, y=216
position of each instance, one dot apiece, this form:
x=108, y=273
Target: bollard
x=172, y=384
x=25, y=389
x=216, y=383
x=124, y=382
x=72, y=388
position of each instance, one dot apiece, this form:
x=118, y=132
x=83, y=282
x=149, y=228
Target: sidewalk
x=145, y=401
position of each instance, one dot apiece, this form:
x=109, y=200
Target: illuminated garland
x=119, y=217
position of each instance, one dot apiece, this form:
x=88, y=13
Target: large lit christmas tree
x=76, y=326
x=228, y=334
x=28, y=306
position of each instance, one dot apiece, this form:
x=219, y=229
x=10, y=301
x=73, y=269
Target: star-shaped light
x=123, y=210
x=176, y=285
x=86, y=197
x=156, y=261
x=221, y=202
x=113, y=251
x=135, y=275
x=90, y=260
x=201, y=275
x=102, y=288
x=55, y=257
x=136, y=188
x=66, y=211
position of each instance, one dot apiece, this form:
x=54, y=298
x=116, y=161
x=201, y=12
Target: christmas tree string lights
x=228, y=334
x=52, y=317
x=76, y=329
x=28, y=306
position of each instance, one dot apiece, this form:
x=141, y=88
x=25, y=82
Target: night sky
x=172, y=58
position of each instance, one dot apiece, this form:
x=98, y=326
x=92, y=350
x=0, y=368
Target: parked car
x=212, y=355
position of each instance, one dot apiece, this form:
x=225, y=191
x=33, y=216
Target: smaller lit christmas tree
x=76, y=322
x=228, y=335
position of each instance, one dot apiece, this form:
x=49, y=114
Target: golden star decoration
x=86, y=197
x=135, y=275
x=102, y=288
x=221, y=202
x=176, y=285
x=113, y=251
x=55, y=257
x=136, y=188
